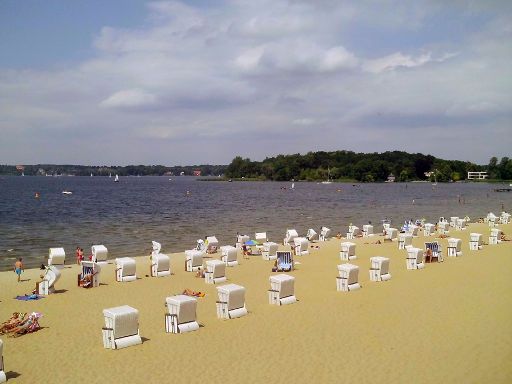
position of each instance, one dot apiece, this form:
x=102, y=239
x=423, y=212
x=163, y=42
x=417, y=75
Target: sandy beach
x=446, y=323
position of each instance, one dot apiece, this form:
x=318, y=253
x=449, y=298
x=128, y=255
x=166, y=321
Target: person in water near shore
x=18, y=268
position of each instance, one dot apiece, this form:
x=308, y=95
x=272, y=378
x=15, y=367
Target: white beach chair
x=213, y=244
x=50, y=277
x=160, y=263
x=385, y=227
x=261, y=237
x=231, y=303
x=90, y=275
x=181, y=314
x=436, y=251
x=121, y=328
x=428, y=229
x=391, y=234
x=282, y=289
x=99, y=253
x=491, y=219
x=290, y=235
x=229, y=255
x=495, y=236
x=379, y=268
x=454, y=247
x=57, y=257
x=367, y=230
x=460, y=224
x=404, y=239
x=443, y=227
x=325, y=233
x=215, y=272
x=475, y=241
x=241, y=240
x=3, y=377
x=348, y=251
x=269, y=251
x=311, y=235
x=413, y=230
x=348, y=278
x=353, y=232
x=414, y=258
x=125, y=269
x=301, y=246
x=504, y=218
x=453, y=221
x=193, y=260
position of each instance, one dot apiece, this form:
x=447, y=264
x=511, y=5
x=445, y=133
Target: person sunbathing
x=374, y=242
x=28, y=325
x=190, y=292
x=14, y=320
x=503, y=237
x=87, y=280
x=246, y=251
x=200, y=273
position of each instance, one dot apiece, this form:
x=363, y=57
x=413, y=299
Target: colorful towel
x=29, y=297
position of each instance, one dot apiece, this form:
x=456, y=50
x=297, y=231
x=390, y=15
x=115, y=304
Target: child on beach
x=18, y=268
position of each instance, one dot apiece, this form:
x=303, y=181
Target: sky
x=99, y=82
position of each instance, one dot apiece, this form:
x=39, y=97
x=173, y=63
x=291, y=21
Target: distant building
x=477, y=175
x=391, y=178
x=197, y=172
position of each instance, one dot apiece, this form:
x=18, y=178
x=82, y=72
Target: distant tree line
x=313, y=166
x=129, y=170
x=361, y=167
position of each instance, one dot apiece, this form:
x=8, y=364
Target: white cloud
x=190, y=76
x=129, y=98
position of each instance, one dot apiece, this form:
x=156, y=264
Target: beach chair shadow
x=144, y=339
x=24, y=280
x=60, y=291
x=12, y=375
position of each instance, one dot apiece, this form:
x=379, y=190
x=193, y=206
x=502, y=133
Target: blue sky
x=123, y=82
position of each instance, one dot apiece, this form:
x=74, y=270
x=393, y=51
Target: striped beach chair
x=284, y=261
x=435, y=248
x=90, y=275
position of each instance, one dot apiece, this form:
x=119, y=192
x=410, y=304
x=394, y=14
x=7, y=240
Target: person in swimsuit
x=18, y=268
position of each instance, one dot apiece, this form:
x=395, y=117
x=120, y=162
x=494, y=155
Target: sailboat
x=109, y=175
x=91, y=174
x=116, y=180
x=293, y=186
x=435, y=179
x=328, y=181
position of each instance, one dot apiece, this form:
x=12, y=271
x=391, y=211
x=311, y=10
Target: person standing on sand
x=18, y=268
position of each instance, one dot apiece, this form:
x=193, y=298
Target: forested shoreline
x=312, y=166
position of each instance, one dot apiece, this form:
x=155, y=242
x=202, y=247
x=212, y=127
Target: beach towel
x=29, y=297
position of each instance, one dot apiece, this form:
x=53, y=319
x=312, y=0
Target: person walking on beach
x=18, y=268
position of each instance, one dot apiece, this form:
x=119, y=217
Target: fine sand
x=447, y=323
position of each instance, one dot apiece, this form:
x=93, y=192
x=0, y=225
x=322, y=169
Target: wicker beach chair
x=454, y=247
x=348, y=279
x=121, y=328
x=181, y=316
x=325, y=233
x=348, y=251
x=284, y=261
x=126, y=269
x=215, y=272
x=301, y=246
x=57, y=257
x=3, y=378
x=269, y=251
x=229, y=255
x=435, y=252
x=231, y=303
x=193, y=260
x=90, y=275
x=282, y=289
x=379, y=268
x=290, y=235
x=212, y=244
x=160, y=263
x=311, y=235
x=50, y=277
x=99, y=253
x=414, y=259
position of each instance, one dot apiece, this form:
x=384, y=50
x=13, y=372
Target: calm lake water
x=126, y=216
